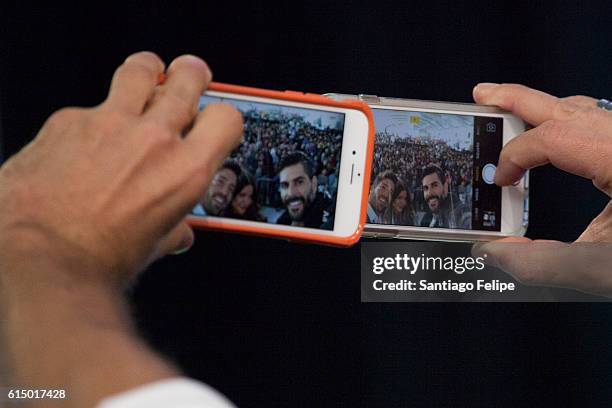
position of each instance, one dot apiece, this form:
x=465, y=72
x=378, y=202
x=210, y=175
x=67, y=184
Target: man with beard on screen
x=305, y=207
x=221, y=190
x=379, y=199
x=444, y=210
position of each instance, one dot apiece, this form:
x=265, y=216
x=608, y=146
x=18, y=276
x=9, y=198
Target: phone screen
x=285, y=171
x=435, y=170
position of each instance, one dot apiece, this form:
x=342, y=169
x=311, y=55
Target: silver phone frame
x=415, y=233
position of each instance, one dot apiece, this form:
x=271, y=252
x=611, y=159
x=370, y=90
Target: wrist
x=79, y=338
x=38, y=290
x=33, y=256
x=66, y=325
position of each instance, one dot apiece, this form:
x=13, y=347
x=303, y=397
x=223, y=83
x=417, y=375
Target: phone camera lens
x=354, y=152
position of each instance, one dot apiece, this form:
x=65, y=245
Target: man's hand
x=111, y=184
x=98, y=195
x=574, y=135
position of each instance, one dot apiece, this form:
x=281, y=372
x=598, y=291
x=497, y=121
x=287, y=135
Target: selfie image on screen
x=426, y=170
x=286, y=170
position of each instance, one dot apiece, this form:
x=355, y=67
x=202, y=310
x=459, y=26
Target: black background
x=268, y=322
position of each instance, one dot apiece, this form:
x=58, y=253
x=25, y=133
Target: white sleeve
x=174, y=392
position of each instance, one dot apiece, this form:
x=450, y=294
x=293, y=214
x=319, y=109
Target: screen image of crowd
x=284, y=172
x=419, y=179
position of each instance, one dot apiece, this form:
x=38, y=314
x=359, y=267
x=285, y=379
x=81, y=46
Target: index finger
x=175, y=101
x=134, y=82
x=536, y=107
x=217, y=130
x=566, y=146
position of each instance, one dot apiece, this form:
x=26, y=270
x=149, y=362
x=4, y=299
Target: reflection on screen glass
x=286, y=170
x=427, y=170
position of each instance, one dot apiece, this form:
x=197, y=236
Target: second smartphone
x=433, y=170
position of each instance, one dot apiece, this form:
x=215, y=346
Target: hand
x=110, y=186
x=574, y=135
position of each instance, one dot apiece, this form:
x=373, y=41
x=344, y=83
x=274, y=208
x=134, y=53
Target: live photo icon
x=491, y=128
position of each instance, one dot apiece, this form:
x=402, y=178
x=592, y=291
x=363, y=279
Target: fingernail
x=192, y=59
x=181, y=251
x=484, y=87
x=477, y=249
x=507, y=173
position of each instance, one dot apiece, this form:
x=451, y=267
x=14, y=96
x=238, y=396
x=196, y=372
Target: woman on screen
x=244, y=204
x=401, y=211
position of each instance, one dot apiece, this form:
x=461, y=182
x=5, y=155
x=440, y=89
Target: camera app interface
x=435, y=170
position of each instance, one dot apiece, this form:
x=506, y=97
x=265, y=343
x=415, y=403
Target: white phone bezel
x=515, y=198
x=352, y=168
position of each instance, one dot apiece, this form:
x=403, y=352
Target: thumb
x=177, y=241
x=581, y=266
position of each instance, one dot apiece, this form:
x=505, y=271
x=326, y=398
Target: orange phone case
x=217, y=223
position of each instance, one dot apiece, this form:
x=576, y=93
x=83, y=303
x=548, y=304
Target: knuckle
x=64, y=116
x=568, y=109
x=583, y=108
x=510, y=95
x=61, y=121
x=512, y=88
x=580, y=99
x=136, y=70
x=106, y=122
x=156, y=133
x=176, y=106
x=551, y=131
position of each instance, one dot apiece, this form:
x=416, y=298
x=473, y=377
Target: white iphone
x=301, y=172
x=433, y=169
